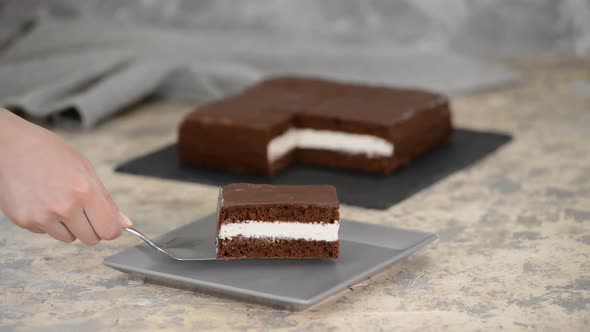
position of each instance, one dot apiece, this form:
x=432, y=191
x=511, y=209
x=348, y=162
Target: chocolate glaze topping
x=247, y=195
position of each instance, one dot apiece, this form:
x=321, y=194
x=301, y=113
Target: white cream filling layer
x=305, y=138
x=280, y=230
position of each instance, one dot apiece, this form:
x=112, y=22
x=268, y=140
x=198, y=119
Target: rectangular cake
x=265, y=221
x=277, y=122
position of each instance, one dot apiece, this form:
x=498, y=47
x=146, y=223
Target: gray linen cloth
x=79, y=72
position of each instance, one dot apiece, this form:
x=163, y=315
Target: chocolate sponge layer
x=277, y=248
x=302, y=214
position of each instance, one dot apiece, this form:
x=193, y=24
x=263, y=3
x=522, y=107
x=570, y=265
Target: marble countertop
x=514, y=249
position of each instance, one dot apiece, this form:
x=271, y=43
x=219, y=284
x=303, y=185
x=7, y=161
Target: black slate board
x=354, y=188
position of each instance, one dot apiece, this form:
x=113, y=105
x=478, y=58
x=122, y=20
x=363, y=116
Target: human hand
x=47, y=187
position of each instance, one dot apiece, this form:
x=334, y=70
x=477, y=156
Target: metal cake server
x=181, y=249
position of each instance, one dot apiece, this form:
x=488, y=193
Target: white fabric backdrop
x=85, y=60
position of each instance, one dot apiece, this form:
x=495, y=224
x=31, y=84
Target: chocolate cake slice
x=265, y=221
x=282, y=120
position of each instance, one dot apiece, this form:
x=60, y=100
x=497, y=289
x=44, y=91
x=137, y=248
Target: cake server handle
x=197, y=251
x=146, y=239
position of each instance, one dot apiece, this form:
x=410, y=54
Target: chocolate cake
x=264, y=221
x=283, y=120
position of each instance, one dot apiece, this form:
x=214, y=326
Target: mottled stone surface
x=514, y=249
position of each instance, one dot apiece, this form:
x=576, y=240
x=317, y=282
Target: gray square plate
x=289, y=284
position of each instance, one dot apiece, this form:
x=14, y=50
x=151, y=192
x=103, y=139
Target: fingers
x=83, y=210
x=49, y=225
x=89, y=214
x=36, y=228
x=102, y=214
x=78, y=225
x=96, y=220
x=99, y=209
x=59, y=231
x=122, y=219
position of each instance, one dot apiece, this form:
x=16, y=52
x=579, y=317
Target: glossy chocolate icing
x=245, y=195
